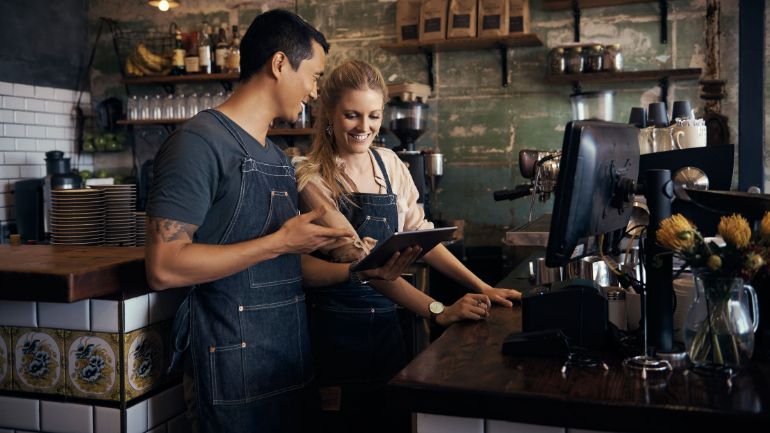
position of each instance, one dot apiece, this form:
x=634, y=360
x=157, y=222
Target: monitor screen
x=599, y=163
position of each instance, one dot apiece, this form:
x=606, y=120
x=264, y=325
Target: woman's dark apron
x=248, y=332
x=355, y=333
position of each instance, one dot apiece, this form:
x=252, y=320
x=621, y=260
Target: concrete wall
x=478, y=125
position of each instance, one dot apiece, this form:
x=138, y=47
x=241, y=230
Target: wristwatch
x=355, y=277
x=435, y=308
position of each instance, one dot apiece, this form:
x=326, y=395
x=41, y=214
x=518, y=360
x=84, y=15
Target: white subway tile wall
x=66, y=417
x=136, y=418
x=19, y=413
x=34, y=120
x=164, y=406
x=63, y=315
x=106, y=420
x=18, y=313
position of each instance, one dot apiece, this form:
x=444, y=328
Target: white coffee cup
x=689, y=136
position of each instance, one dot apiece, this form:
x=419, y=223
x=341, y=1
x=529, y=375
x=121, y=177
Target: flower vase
x=720, y=325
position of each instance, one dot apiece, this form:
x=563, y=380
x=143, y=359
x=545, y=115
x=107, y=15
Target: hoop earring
x=329, y=129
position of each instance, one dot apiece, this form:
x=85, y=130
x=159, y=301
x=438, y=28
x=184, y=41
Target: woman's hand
x=394, y=267
x=502, y=296
x=472, y=306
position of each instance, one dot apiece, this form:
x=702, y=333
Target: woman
x=355, y=332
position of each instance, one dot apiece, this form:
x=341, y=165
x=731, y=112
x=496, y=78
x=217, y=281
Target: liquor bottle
x=234, y=56
x=192, y=61
x=220, y=54
x=177, y=62
x=204, y=49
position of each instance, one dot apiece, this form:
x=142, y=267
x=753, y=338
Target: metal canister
x=594, y=56
x=574, y=60
x=613, y=58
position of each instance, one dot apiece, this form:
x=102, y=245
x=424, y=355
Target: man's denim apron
x=248, y=332
x=355, y=331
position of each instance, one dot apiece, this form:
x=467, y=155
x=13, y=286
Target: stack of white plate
x=77, y=217
x=121, y=204
x=140, y=219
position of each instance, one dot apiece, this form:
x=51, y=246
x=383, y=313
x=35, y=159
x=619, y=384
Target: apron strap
x=381, y=164
x=222, y=120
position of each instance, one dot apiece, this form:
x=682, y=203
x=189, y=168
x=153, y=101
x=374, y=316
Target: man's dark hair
x=278, y=30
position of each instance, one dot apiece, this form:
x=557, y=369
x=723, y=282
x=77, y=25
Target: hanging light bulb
x=164, y=5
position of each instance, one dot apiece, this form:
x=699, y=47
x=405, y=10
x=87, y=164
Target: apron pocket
x=375, y=228
x=227, y=379
x=277, y=352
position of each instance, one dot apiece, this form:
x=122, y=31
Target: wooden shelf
x=273, y=131
x=560, y=5
x=465, y=44
x=178, y=79
x=502, y=44
x=617, y=77
x=662, y=76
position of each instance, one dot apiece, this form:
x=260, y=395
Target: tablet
x=400, y=241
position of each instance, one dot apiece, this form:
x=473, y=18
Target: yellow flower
x=676, y=233
x=735, y=230
x=764, y=227
x=754, y=261
x=714, y=262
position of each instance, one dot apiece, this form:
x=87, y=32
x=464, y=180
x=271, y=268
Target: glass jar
x=613, y=58
x=574, y=60
x=556, y=61
x=594, y=58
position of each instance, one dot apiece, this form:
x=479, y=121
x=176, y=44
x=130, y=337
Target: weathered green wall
x=478, y=125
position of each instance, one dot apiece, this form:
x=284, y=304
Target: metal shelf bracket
x=504, y=63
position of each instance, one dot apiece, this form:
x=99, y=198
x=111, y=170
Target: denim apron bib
x=248, y=332
x=355, y=331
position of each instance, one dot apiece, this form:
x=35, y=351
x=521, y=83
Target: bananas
x=142, y=62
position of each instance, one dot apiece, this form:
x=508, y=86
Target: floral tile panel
x=38, y=360
x=92, y=365
x=5, y=358
x=144, y=360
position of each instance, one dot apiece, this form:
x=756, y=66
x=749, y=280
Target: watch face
x=436, y=307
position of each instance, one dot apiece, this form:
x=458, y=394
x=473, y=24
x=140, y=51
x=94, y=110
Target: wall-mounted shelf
x=293, y=132
x=502, y=43
x=560, y=5
x=577, y=5
x=169, y=81
x=662, y=76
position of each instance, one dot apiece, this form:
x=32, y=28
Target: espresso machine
x=407, y=120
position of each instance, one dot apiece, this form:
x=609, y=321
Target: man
x=223, y=219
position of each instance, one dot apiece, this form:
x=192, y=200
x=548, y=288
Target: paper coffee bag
x=408, y=20
x=518, y=16
x=493, y=18
x=462, y=19
x=433, y=20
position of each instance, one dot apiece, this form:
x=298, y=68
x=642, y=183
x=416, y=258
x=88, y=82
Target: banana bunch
x=142, y=62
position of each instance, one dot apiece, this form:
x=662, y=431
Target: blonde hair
x=321, y=161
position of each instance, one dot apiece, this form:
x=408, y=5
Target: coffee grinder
x=408, y=121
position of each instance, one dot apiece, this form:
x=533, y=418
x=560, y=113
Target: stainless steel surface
x=542, y=274
x=532, y=234
x=689, y=178
x=434, y=164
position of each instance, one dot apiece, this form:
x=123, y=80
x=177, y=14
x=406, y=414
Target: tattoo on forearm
x=170, y=230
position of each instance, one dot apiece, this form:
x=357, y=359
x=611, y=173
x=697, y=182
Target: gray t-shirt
x=197, y=174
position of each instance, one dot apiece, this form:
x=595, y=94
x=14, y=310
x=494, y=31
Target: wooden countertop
x=464, y=373
x=59, y=273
